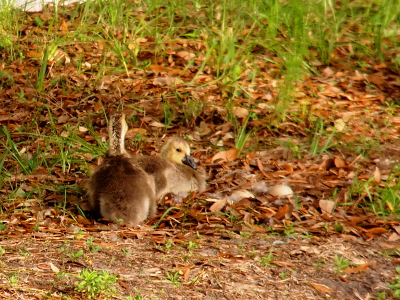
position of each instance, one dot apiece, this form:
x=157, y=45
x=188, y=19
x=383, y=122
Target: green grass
x=94, y=283
x=341, y=263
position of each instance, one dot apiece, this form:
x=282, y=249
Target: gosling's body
x=119, y=190
x=125, y=187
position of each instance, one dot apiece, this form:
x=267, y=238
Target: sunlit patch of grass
x=321, y=139
x=289, y=35
x=382, y=198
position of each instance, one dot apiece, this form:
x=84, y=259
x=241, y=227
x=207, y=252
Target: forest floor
x=334, y=235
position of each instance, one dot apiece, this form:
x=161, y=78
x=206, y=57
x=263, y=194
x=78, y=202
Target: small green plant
x=321, y=139
x=266, y=260
x=126, y=251
x=251, y=254
x=173, y=277
x=2, y=251
x=94, y=283
x=242, y=133
x=245, y=235
x=24, y=252
x=76, y=255
x=289, y=229
x=381, y=296
x=395, y=287
x=319, y=265
x=193, y=245
x=283, y=275
x=341, y=263
x=93, y=248
x=167, y=247
x=134, y=298
x=14, y=279
x=292, y=147
x=169, y=114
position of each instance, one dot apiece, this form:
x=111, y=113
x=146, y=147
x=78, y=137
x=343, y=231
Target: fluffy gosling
x=118, y=189
x=126, y=188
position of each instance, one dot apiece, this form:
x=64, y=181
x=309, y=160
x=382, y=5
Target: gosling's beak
x=188, y=160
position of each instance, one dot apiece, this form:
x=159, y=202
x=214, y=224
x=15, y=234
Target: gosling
x=126, y=188
x=175, y=171
x=118, y=190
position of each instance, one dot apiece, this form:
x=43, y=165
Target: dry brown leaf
x=283, y=263
x=186, y=55
x=83, y=129
x=156, y=124
x=327, y=72
x=378, y=80
x=63, y=27
x=240, y=112
x=167, y=80
x=124, y=285
x=141, y=131
x=377, y=175
x=339, y=162
x=327, y=206
x=280, y=214
x=340, y=125
x=360, y=268
x=321, y=288
x=377, y=231
x=33, y=54
x=393, y=237
x=227, y=155
x=217, y=206
x=397, y=228
x=63, y=119
x=157, y=68
x=54, y=268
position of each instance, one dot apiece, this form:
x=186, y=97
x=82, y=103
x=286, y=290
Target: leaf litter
x=273, y=217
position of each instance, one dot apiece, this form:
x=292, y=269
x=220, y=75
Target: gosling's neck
x=117, y=129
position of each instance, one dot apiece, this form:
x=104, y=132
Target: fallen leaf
x=227, y=155
x=54, y=268
x=393, y=237
x=217, y=206
x=321, y=288
x=186, y=55
x=377, y=175
x=339, y=162
x=377, y=231
x=240, y=112
x=360, y=268
x=340, y=125
x=327, y=206
x=327, y=72
x=280, y=214
x=167, y=80
x=280, y=190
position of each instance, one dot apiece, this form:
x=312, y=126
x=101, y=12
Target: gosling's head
x=117, y=129
x=177, y=150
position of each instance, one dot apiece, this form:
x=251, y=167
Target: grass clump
x=94, y=283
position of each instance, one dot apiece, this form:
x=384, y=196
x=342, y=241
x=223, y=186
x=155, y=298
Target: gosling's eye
x=178, y=150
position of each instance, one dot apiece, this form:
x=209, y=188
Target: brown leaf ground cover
x=334, y=235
